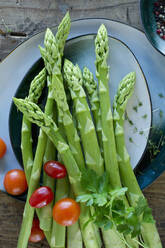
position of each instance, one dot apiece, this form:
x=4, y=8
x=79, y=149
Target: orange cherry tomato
x=2, y=148
x=36, y=233
x=66, y=212
x=15, y=182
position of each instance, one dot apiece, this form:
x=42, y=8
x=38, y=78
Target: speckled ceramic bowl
x=149, y=24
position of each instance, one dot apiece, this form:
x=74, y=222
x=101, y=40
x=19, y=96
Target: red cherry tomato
x=41, y=197
x=55, y=169
x=15, y=182
x=36, y=233
x=66, y=212
x=2, y=148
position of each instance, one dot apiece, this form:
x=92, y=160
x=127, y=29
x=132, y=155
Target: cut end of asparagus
x=34, y=114
x=101, y=45
x=37, y=86
x=125, y=91
x=88, y=81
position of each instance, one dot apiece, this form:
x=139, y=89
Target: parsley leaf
x=108, y=205
x=90, y=180
x=85, y=198
x=103, y=185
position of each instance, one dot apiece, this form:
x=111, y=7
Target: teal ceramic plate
x=148, y=20
x=14, y=68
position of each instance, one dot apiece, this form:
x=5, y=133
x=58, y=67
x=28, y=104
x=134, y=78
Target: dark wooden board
x=20, y=19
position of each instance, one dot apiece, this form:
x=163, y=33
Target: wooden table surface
x=19, y=19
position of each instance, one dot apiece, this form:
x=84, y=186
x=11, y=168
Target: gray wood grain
x=20, y=19
x=25, y=18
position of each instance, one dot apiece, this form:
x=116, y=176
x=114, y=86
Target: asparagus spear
x=91, y=88
x=62, y=33
x=125, y=90
x=34, y=181
x=93, y=158
x=52, y=54
x=73, y=77
x=26, y=137
x=74, y=143
x=46, y=215
x=88, y=135
x=35, y=115
x=74, y=237
x=33, y=184
x=109, y=146
x=58, y=231
x=67, y=121
x=102, y=74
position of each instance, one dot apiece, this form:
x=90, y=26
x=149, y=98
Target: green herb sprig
x=109, y=207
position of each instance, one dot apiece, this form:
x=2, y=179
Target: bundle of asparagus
x=85, y=146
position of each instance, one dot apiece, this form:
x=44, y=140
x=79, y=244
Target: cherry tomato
x=66, y=212
x=2, y=148
x=36, y=233
x=15, y=182
x=41, y=197
x=55, y=169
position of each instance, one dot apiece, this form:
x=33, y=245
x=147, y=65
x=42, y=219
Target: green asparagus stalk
x=58, y=231
x=67, y=121
x=102, y=74
x=35, y=115
x=26, y=136
x=52, y=54
x=63, y=32
x=74, y=237
x=125, y=90
x=74, y=143
x=34, y=180
x=72, y=75
x=109, y=145
x=70, y=130
x=46, y=215
x=33, y=184
x=91, y=88
x=110, y=237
